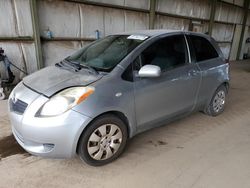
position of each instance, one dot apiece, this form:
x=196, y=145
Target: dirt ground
x=198, y=151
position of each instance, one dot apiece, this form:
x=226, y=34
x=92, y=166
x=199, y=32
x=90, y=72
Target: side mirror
x=149, y=71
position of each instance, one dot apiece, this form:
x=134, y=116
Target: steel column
x=36, y=33
x=212, y=14
x=152, y=14
x=246, y=5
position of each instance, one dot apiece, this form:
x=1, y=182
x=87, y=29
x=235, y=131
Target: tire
x=103, y=141
x=218, y=102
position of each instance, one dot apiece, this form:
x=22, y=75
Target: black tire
x=84, y=143
x=210, y=109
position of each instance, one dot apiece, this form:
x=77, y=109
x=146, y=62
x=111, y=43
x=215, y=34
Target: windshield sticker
x=137, y=37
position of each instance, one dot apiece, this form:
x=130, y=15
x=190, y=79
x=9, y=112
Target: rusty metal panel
x=91, y=19
x=136, y=21
x=192, y=8
x=228, y=13
x=165, y=22
x=61, y=17
x=114, y=21
x=223, y=32
x=225, y=48
x=55, y=51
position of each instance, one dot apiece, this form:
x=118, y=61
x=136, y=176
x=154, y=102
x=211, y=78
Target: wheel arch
x=118, y=114
x=225, y=83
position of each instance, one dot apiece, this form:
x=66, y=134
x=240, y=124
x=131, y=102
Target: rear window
x=203, y=49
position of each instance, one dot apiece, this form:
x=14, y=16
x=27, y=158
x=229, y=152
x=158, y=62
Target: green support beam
x=36, y=33
x=212, y=15
x=246, y=5
x=152, y=14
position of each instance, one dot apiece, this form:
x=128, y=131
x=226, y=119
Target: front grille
x=18, y=106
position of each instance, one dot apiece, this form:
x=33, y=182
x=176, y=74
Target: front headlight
x=65, y=100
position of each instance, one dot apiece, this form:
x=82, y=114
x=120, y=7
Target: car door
x=211, y=65
x=175, y=91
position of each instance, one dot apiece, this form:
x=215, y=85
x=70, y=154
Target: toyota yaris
x=91, y=102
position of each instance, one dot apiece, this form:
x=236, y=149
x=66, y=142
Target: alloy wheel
x=219, y=101
x=104, y=142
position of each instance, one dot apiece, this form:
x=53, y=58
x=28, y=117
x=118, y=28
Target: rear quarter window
x=203, y=49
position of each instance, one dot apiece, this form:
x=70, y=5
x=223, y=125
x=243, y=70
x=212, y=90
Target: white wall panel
x=114, y=21
x=142, y=4
x=113, y=2
x=92, y=19
x=23, y=16
x=192, y=8
x=236, y=2
x=62, y=18
x=136, y=21
x=165, y=22
x=55, y=51
x=223, y=32
x=248, y=19
x=239, y=2
x=21, y=55
x=29, y=56
x=225, y=48
x=7, y=23
x=228, y=13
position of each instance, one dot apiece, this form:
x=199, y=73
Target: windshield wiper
x=76, y=66
x=88, y=67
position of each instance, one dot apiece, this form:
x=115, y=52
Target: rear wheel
x=103, y=141
x=217, y=104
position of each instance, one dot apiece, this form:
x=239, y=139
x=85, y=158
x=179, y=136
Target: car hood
x=50, y=80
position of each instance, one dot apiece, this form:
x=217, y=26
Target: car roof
x=157, y=32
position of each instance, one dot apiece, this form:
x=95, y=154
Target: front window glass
x=167, y=53
x=105, y=54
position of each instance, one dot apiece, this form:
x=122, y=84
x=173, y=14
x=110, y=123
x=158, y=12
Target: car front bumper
x=55, y=137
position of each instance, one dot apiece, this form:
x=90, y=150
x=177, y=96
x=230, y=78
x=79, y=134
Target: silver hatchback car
x=91, y=102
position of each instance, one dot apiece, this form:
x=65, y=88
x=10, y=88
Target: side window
x=167, y=53
x=203, y=49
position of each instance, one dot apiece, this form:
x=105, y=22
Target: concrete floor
x=198, y=151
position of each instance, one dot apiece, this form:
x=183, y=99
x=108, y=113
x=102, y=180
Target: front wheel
x=103, y=141
x=218, y=102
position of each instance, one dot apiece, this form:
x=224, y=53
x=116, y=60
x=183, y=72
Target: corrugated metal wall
x=78, y=21
x=16, y=22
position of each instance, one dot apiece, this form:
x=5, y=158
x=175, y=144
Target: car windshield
x=106, y=53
